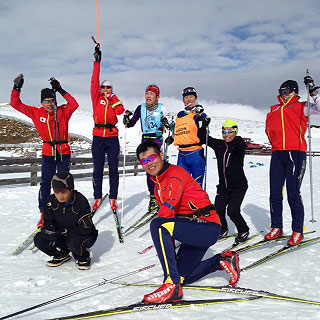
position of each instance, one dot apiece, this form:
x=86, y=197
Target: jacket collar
x=293, y=100
x=160, y=175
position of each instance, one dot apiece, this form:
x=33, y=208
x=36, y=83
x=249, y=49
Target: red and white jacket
x=105, y=110
x=179, y=194
x=45, y=122
x=287, y=124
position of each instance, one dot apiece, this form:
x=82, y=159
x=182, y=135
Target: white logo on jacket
x=103, y=102
x=43, y=120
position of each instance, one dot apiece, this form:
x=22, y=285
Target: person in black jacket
x=68, y=225
x=233, y=184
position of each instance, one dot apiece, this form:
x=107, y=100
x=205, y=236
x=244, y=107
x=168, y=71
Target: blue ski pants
x=196, y=236
x=100, y=148
x=194, y=162
x=50, y=165
x=289, y=167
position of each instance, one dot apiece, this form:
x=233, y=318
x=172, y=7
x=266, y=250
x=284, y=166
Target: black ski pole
x=76, y=292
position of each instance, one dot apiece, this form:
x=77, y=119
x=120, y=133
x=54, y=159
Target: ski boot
x=166, y=293
x=114, y=204
x=230, y=263
x=96, y=205
x=59, y=259
x=242, y=237
x=295, y=239
x=275, y=233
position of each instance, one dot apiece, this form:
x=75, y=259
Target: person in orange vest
x=52, y=123
x=191, y=155
x=286, y=126
x=106, y=109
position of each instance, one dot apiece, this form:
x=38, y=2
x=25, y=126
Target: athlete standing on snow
x=153, y=117
x=186, y=214
x=52, y=123
x=191, y=156
x=106, y=108
x=233, y=184
x=286, y=126
x=68, y=225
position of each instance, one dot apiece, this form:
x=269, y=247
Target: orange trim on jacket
x=179, y=194
x=105, y=110
x=286, y=125
x=45, y=122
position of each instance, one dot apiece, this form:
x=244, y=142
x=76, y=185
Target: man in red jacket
x=187, y=215
x=52, y=123
x=106, y=108
x=286, y=126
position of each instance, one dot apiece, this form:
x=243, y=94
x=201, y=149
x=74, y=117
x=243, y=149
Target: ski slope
x=26, y=281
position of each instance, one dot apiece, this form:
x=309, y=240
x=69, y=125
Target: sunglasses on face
x=285, y=91
x=106, y=87
x=150, y=159
x=228, y=131
x=50, y=101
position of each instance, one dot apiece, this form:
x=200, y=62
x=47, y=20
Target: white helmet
x=106, y=83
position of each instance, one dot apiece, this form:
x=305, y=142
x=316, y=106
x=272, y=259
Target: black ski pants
x=76, y=244
x=230, y=200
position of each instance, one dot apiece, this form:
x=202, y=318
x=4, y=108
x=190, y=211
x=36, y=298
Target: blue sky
x=235, y=52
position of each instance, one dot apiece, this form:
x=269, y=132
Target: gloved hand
x=169, y=140
x=56, y=86
x=126, y=117
x=165, y=122
x=18, y=82
x=206, y=122
x=97, y=53
x=308, y=81
x=199, y=109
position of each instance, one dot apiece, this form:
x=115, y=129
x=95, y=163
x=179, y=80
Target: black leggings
x=231, y=200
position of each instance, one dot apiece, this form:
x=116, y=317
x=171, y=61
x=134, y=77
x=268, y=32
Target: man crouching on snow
x=68, y=225
x=187, y=215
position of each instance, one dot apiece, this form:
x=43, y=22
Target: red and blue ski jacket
x=105, y=110
x=46, y=124
x=179, y=194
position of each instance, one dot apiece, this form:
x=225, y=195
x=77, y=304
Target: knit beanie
x=47, y=93
x=62, y=180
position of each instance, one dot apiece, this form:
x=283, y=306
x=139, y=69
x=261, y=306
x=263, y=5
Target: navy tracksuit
x=51, y=165
x=101, y=147
x=196, y=237
x=289, y=167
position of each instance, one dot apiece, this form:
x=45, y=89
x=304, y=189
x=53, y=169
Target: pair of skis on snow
x=115, y=216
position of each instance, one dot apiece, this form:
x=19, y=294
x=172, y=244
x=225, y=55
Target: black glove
x=56, y=86
x=165, y=122
x=18, y=82
x=308, y=81
x=97, y=53
x=126, y=117
x=169, y=140
x=206, y=122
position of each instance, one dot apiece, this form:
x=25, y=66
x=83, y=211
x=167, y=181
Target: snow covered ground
x=26, y=281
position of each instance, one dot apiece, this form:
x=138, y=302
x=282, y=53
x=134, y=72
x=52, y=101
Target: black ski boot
x=242, y=237
x=59, y=259
x=224, y=233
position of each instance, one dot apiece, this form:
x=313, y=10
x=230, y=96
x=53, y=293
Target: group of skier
x=177, y=192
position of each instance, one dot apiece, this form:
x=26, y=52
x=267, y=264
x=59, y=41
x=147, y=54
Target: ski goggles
x=228, y=131
x=49, y=101
x=285, y=91
x=150, y=159
x=106, y=87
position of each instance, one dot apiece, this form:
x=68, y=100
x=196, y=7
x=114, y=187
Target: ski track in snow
x=26, y=281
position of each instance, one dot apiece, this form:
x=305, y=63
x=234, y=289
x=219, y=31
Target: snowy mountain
x=26, y=281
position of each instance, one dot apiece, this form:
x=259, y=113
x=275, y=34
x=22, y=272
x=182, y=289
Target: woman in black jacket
x=233, y=184
x=68, y=225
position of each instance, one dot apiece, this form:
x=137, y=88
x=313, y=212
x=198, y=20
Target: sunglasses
x=150, y=159
x=285, y=91
x=50, y=101
x=228, y=131
x=106, y=87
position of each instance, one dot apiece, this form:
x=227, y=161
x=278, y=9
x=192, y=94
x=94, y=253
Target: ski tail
x=118, y=226
x=26, y=243
x=141, y=222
